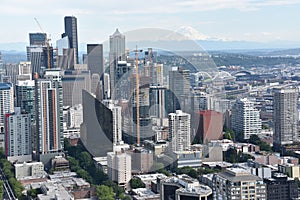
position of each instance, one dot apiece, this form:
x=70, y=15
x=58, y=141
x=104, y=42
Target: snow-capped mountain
x=191, y=33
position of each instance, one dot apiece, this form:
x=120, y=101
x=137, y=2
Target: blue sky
x=248, y=20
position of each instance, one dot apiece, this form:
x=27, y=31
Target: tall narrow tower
x=71, y=32
x=285, y=103
x=116, y=53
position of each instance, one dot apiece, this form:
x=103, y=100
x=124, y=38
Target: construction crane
x=47, y=42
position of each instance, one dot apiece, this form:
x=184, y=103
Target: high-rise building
x=179, y=85
x=106, y=86
x=117, y=45
x=237, y=183
x=62, y=44
x=6, y=106
x=285, y=118
x=25, y=68
x=158, y=101
x=245, y=118
x=95, y=58
x=116, y=53
x=1, y=62
x=119, y=167
x=25, y=95
x=66, y=60
x=37, y=39
x=73, y=82
x=75, y=116
x=49, y=115
x=117, y=120
x=142, y=160
x=38, y=56
x=179, y=131
x=18, y=136
x=209, y=126
x=71, y=32
x=280, y=187
x=12, y=70
x=96, y=131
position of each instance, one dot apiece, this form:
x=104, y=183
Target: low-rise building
x=33, y=169
x=184, y=187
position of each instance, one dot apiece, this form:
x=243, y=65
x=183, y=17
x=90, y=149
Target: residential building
x=237, y=183
x=49, y=115
x=18, y=136
x=285, y=117
x=119, y=167
x=245, y=118
x=179, y=131
x=280, y=187
x=25, y=97
x=6, y=106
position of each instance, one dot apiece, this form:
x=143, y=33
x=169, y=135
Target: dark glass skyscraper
x=37, y=39
x=71, y=32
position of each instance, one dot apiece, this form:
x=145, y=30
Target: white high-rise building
x=285, y=120
x=245, y=118
x=75, y=116
x=180, y=131
x=119, y=167
x=106, y=86
x=6, y=106
x=18, y=136
x=25, y=68
x=117, y=120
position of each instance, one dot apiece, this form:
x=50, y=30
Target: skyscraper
x=179, y=131
x=25, y=94
x=179, y=85
x=245, y=118
x=116, y=53
x=95, y=58
x=285, y=120
x=49, y=115
x=71, y=32
x=18, y=136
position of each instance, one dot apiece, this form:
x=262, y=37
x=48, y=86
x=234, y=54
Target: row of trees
x=195, y=173
x=8, y=171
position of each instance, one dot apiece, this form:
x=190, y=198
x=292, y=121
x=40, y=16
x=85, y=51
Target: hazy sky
x=251, y=20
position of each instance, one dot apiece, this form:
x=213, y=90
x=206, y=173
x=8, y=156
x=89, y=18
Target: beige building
x=34, y=169
x=119, y=167
x=237, y=183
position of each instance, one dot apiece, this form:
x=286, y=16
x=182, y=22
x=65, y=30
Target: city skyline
x=229, y=20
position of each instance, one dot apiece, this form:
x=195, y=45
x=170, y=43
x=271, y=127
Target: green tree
x=117, y=189
x=104, y=192
x=136, y=183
